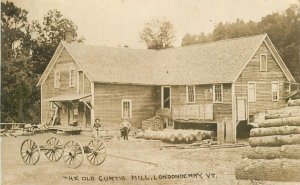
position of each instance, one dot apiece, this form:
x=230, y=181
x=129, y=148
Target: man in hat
x=125, y=128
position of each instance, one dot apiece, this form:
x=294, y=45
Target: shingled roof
x=208, y=63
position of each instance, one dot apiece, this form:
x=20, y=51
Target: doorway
x=166, y=97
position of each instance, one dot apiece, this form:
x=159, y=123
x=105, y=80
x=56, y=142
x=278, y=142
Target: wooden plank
x=208, y=111
x=221, y=131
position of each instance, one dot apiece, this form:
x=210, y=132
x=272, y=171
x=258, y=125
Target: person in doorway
x=125, y=128
x=96, y=128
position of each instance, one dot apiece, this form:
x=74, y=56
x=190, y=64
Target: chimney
x=68, y=36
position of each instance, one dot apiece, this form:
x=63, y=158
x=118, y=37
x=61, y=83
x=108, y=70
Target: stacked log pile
x=155, y=123
x=176, y=135
x=275, y=147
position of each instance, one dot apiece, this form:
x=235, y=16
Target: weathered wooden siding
x=87, y=85
x=108, y=103
x=64, y=63
x=263, y=83
x=204, y=95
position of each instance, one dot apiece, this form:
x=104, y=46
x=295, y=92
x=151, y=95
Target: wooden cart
x=72, y=152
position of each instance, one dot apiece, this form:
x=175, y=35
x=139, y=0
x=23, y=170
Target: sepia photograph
x=150, y=92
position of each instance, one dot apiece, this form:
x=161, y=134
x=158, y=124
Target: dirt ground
x=174, y=166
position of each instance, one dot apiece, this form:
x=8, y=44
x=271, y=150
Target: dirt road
x=174, y=166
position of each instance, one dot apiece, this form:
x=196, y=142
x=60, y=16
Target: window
x=275, y=91
x=169, y=123
x=263, y=62
x=56, y=79
x=251, y=91
x=218, y=93
x=251, y=118
x=72, y=77
x=126, y=109
x=190, y=94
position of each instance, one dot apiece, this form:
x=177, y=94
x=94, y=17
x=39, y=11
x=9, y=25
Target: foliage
x=23, y=43
x=47, y=36
x=158, y=34
x=282, y=28
x=17, y=79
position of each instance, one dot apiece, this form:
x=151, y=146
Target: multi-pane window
x=275, y=91
x=218, y=93
x=56, y=79
x=126, y=109
x=251, y=92
x=190, y=92
x=72, y=77
x=263, y=62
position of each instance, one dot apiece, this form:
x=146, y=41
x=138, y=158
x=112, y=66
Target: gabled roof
x=208, y=63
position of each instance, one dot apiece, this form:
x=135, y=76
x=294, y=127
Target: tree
x=282, y=28
x=158, y=34
x=48, y=35
x=23, y=43
x=17, y=79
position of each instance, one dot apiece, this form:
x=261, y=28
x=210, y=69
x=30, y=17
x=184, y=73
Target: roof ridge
x=102, y=46
x=191, y=45
x=225, y=40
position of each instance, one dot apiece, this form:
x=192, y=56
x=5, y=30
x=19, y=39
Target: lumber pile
x=155, y=123
x=275, y=147
x=180, y=135
x=207, y=143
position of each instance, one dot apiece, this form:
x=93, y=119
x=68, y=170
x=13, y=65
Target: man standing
x=125, y=128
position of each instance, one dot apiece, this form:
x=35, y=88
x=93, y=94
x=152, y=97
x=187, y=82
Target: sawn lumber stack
x=275, y=147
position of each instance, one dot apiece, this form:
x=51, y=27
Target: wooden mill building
x=223, y=82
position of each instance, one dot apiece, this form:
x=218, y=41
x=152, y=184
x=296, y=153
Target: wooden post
x=220, y=131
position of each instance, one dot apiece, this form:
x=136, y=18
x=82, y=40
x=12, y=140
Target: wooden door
x=241, y=109
x=166, y=97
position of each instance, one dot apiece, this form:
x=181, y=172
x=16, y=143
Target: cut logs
x=178, y=135
x=283, y=130
x=269, y=170
x=275, y=152
x=290, y=121
x=285, y=151
x=275, y=140
x=283, y=113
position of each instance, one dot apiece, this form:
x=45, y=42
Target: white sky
x=119, y=22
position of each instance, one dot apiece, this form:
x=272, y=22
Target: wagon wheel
x=97, y=152
x=73, y=154
x=54, y=149
x=30, y=152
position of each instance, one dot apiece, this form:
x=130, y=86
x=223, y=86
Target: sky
x=119, y=22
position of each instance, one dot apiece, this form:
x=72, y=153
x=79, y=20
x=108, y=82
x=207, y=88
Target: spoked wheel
x=30, y=152
x=96, y=152
x=73, y=154
x=54, y=149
